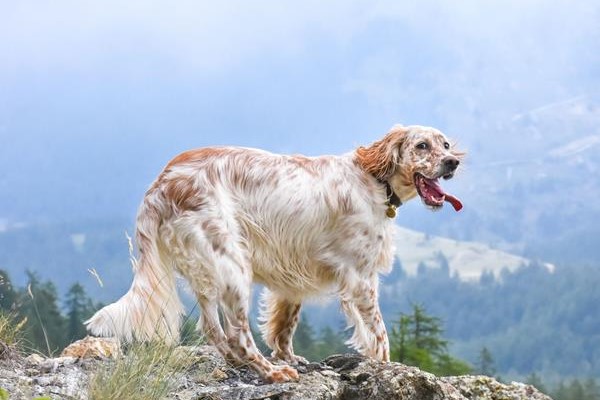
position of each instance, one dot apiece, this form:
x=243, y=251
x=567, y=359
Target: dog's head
x=412, y=159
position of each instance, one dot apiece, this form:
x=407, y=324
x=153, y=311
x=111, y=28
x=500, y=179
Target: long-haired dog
x=225, y=217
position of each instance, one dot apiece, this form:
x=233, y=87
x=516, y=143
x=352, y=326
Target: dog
x=225, y=217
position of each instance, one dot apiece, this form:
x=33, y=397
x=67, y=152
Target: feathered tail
x=151, y=308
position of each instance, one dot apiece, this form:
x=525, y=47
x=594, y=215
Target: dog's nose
x=451, y=163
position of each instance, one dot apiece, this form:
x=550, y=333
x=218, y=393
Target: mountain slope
x=466, y=259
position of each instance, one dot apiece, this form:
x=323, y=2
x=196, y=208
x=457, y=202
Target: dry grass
x=10, y=331
x=145, y=371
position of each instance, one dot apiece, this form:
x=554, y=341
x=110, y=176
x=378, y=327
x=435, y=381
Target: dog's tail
x=151, y=308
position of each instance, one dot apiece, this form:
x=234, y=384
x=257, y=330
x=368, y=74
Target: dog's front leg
x=360, y=304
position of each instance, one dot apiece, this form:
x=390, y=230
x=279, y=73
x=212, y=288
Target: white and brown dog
x=225, y=217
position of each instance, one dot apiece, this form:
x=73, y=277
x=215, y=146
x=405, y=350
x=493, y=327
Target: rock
x=35, y=376
x=52, y=364
x=486, y=388
x=340, y=377
x=93, y=347
x=219, y=374
x=369, y=379
x=34, y=359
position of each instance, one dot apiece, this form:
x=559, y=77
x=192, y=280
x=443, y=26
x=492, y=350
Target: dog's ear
x=381, y=158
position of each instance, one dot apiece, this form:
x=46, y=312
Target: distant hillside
x=466, y=259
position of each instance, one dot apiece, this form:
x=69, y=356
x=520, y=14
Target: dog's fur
x=225, y=217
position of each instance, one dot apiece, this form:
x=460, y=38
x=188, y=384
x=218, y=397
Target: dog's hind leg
x=210, y=327
x=279, y=318
x=191, y=245
x=235, y=303
x=207, y=247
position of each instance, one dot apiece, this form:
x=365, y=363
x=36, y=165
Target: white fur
x=226, y=217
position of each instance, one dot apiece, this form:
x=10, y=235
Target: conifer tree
x=444, y=265
x=576, y=390
x=485, y=362
x=79, y=308
x=304, y=339
x=416, y=339
x=45, y=328
x=397, y=273
x=8, y=295
x=329, y=342
x=561, y=392
x=592, y=390
x=534, y=380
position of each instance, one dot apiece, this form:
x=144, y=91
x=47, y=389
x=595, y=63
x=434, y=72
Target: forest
x=418, y=335
x=532, y=319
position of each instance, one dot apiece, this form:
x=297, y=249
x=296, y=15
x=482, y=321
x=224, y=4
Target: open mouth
x=432, y=193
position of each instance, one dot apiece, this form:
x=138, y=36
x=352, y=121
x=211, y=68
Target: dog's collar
x=393, y=201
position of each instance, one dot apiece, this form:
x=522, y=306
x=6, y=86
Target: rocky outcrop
x=337, y=377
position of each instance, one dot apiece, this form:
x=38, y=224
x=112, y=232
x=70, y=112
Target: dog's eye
x=422, y=146
x=446, y=145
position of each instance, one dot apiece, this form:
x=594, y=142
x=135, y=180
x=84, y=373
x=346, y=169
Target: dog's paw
x=283, y=373
x=291, y=359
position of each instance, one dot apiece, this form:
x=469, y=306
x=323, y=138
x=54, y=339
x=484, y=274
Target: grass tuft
x=145, y=371
x=10, y=332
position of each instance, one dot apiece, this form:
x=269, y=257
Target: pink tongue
x=433, y=183
x=454, y=201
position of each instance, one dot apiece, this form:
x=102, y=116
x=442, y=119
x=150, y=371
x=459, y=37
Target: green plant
x=10, y=329
x=145, y=371
x=416, y=339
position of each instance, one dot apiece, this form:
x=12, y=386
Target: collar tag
x=393, y=201
x=391, y=211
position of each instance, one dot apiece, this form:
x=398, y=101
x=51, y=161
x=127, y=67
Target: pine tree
x=576, y=390
x=589, y=390
x=304, y=339
x=561, y=392
x=444, y=265
x=487, y=278
x=422, y=269
x=446, y=365
x=427, y=331
x=260, y=343
x=8, y=296
x=191, y=336
x=329, y=342
x=399, y=341
x=592, y=390
x=397, y=273
x=485, y=363
x=45, y=328
x=416, y=339
x=79, y=308
x=534, y=380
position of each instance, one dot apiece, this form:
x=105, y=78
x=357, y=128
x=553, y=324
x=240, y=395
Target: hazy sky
x=96, y=96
